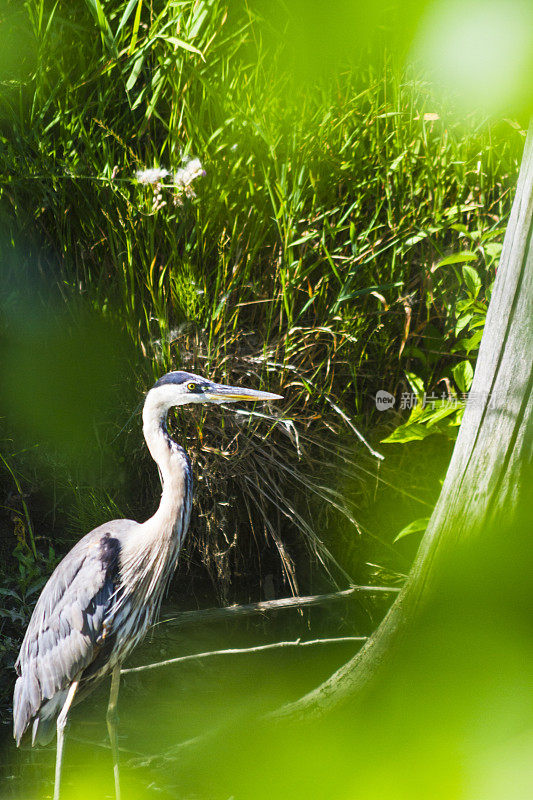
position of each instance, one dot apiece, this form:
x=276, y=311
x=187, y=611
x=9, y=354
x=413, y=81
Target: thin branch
x=349, y=422
x=239, y=650
x=229, y=612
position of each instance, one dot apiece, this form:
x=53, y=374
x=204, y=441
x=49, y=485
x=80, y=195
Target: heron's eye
x=192, y=387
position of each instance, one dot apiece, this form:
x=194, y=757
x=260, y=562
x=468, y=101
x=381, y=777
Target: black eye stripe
x=177, y=378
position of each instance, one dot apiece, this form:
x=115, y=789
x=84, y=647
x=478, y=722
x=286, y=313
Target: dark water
x=162, y=708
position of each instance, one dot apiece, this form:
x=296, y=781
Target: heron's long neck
x=149, y=555
x=172, y=517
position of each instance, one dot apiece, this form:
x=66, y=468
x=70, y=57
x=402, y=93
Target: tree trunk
x=486, y=476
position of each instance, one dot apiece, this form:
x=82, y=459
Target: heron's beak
x=230, y=394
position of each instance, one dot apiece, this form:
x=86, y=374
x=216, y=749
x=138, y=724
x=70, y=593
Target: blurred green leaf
x=417, y=526
x=60, y=375
x=482, y=50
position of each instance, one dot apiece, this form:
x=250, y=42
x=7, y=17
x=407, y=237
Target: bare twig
x=350, y=424
x=239, y=650
x=229, y=612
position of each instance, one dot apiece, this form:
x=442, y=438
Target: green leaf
x=457, y=258
x=417, y=526
x=135, y=31
x=463, y=305
x=493, y=250
x=416, y=383
x=406, y=433
x=180, y=43
x=472, y=280
x=444, y=409
x=410, y=432
x=424, y=422
x=462, y=375
x=461, y=322
x=135, y=70
x=200, y=13
x=418, y=237
x=495, y=234
x=97, y=11
x=127, y=13
x=474, y=342
x=397, y=161
x=302, y=239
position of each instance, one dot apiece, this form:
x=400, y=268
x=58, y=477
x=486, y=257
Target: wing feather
x=65, y=630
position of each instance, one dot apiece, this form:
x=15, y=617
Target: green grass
x=312, y=261
x=315, y=202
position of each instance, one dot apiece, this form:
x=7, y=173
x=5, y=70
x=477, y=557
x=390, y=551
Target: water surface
x=173, y=719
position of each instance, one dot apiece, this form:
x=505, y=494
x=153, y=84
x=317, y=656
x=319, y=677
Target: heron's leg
x=112, y=720
x=60, y=725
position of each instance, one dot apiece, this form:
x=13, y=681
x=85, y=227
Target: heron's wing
x=68, y=623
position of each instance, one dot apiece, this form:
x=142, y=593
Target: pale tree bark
x=486, y=478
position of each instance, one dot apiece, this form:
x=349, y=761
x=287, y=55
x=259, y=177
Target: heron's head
x=180, y=388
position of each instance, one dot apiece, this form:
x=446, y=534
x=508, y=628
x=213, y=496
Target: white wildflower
x=150, y=176
x=184, y=177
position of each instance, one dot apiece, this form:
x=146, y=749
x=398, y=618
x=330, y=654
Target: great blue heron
x=104, y=595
